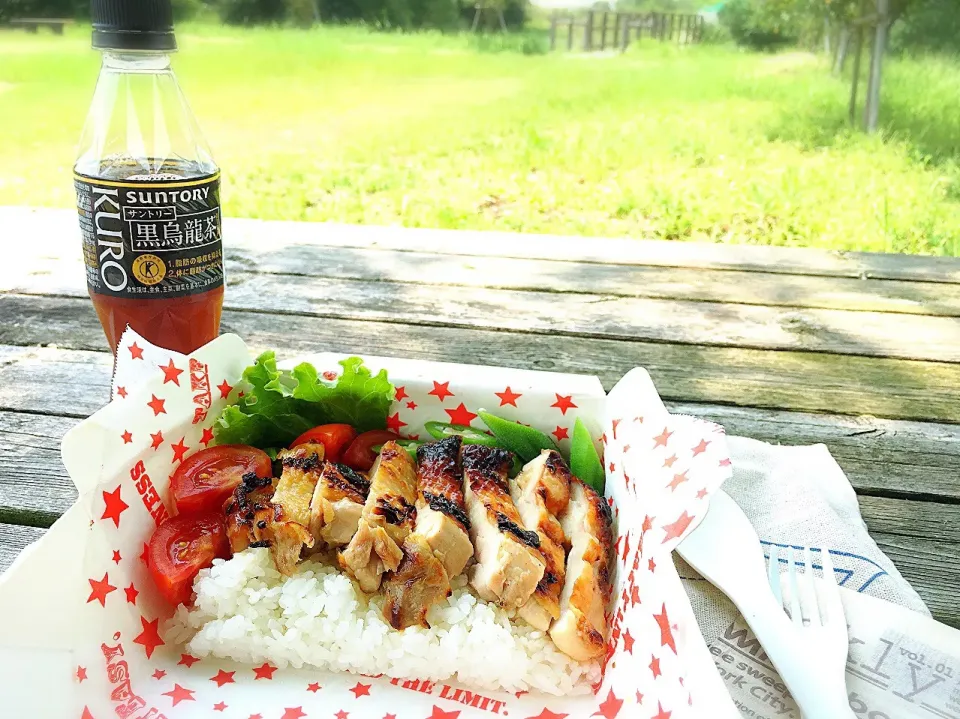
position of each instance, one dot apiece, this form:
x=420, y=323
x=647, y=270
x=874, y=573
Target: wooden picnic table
x=796, y=346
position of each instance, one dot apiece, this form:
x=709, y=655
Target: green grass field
x=424, y=130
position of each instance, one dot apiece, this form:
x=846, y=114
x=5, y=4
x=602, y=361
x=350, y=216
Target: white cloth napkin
x=798, y=496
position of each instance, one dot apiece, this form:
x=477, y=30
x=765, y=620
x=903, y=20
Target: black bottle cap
x=133, y=25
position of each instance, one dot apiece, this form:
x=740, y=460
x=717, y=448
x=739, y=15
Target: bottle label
x=151, y=238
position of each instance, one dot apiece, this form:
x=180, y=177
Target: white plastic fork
x=815, y=608
x=810, y=658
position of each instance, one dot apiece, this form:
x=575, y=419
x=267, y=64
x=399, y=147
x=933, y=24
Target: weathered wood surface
x=858, y=351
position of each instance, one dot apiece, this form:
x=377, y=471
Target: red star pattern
x=171, y=373
x=187, y=660
x=615, y=423
x=81, y=674
x=315, y=687
x=293, y=713
x=702, y=493
x=179, y=694
x=219, y=707
x=441, y=390
x=342, y=714
x=85, y=714
x=661, y=714
x=610, y=707
x=634, y=595
x=179, y=450
x=508, y=396
x=626, y=448
x=159, y=674
x=132, y=594
x=361, y=690
x=439, y=713
x=700, y=448
x=675, y=529
x=669, y=461
x=661, y=439
x=149, y=638
x=225, y=389
x=223, y=678
x=547, y=714
x=400, y=394
x=613, y=467
x=156, y=439
x=677, y=480
x=647, y=523
x=651, y=565
x=145, y=555
x=639, y=698
x=561, y=433
x=207, y=436
x=122, y=392
x=116, y=557
x=389, y=716
x=626, y=546
x=126, y=436
x=265, y=671
x=564, y=402
x=114, y=506
x=255, y=716
x=394, y=423
x=725, y=462
x=666, y=634
x=411, y=405
x=461, y=415
x=100, y=589
x=628, y=641
x=156, y=404
x=329, y=375
x=654, y=666
x=135, y=351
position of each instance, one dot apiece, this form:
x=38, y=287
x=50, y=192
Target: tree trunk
x=855, y=83
x=872, y=110
x=843, y=46
x=826, y=36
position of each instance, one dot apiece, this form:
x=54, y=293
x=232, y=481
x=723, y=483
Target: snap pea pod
x=584, y=460
x=469, y=435
x=526, y=442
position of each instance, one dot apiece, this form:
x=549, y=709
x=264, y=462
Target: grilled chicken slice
x=419, y=582
x=581, y=630
x=509, y=565
x=541, y=492
x=441, y=516
x=253, y=520
x=388, y=516
x=301, y=471
x=337, y=503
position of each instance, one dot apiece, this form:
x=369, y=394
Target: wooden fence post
x=570, y=33
x=682, y=29
x=616, y=29
x=858, y=52
x=553, y=30
x=603, y=32
x=625, y=40
x=588, y=33
x=673, y=19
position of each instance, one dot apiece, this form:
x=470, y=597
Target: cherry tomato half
x=180, y=548
x=333, y=437
x=360, y=454
x=205, y=479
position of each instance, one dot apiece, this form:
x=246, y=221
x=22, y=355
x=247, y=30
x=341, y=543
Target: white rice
x=247, y=611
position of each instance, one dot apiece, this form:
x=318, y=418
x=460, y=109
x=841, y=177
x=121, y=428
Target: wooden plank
x=34, y=487
x=932, y=568
x=925, y=520
x=13, y=539
x=59, y=226
x=754, y=378
x=56, y=382
x=919, y=460
x=600, y=316
x=63, y=270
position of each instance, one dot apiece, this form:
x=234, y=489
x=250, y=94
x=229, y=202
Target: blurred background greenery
x=393, y=112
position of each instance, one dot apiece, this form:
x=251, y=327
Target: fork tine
x=812, y=598
x=831, y=590
x=795, y=613
x=773, y=573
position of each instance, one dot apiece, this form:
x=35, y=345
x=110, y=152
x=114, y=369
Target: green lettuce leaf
x=278, y=406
